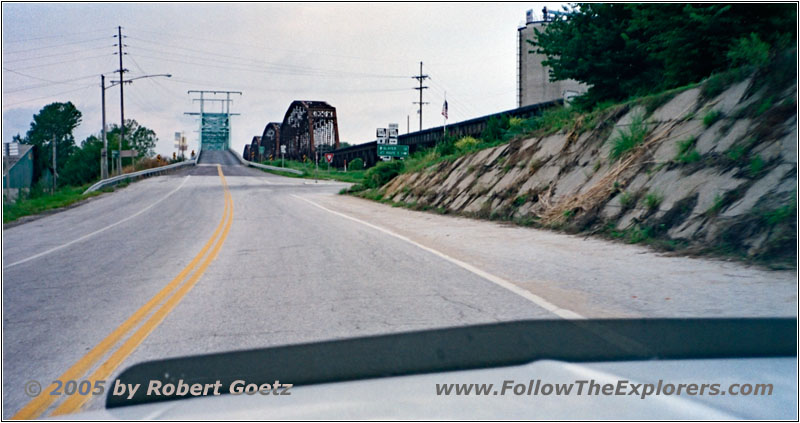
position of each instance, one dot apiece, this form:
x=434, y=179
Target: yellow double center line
x=40, y=404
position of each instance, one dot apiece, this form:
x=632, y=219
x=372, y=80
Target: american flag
x=444, y=109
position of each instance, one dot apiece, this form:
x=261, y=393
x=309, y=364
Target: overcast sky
x=357, y=57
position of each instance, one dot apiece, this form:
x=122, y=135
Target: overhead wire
x=63, y=62
x=24, y=40
x=69, y=53
x=6, y=105
x=54, y=46
x=267, y=48
x=260, y=63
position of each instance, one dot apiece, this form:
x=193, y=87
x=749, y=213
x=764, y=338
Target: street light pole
x=104, y=166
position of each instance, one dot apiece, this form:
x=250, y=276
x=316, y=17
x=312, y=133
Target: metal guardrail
x=142, y=173
x=263, y=166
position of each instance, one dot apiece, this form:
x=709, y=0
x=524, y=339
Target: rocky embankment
x=713, y=173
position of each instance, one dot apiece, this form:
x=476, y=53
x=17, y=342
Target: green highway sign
x=392, y=150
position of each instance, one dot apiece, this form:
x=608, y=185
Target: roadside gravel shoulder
x=595, y=277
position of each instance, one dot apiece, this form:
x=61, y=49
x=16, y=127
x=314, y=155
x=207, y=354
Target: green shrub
x=749, y=51
x=756, y=165
x=445, y=147
x=382, y=173
x=629, y=138
x=356, y=164
x=466, y=144
x=686, y=151
x=652, y=201
x=495, y=127
x=719, y=201
x=625, y=199
x=711, y=117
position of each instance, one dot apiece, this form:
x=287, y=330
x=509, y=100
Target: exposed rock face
x=728, y=183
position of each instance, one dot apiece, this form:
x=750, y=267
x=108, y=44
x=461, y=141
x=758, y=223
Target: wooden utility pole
x=121, y=100
x=55, y=172
x=421, y=77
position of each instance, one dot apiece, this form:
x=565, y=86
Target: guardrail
x=142, y=173
x=263, y=166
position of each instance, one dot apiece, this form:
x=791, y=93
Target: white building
x=533, y=79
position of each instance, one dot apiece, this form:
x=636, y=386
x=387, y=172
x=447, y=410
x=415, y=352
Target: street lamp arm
x=115, y=83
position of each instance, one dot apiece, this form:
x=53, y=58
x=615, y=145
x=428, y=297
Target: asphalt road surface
x=216, y=258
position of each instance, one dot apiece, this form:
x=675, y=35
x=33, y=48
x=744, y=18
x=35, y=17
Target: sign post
x=387, y=143
x=283, y=151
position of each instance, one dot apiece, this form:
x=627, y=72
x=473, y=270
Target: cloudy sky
x=357, y=57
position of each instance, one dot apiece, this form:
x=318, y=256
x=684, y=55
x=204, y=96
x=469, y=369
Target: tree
x=137, y=137
x=83, y=166
x=54, y=121
x=624, y=50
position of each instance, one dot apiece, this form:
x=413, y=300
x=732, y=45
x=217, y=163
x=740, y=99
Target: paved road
x=285, y=272
x=222, y=257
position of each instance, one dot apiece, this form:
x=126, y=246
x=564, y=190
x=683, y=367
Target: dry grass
x=553, y=214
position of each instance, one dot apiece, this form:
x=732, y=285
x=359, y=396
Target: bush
x=382, y=173
x=466, y=144
x=686, y=151
x=652, y=201
x=749, y=51
x=711, y=117
x=356, y=164
x=495, y=128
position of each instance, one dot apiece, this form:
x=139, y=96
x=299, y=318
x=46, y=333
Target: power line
x=54, y=36
x=264, y=47
x=259, y=63
x=63, y=61
x=49, y=82
x=54, y=46
x=55, y=55
x=47, y=96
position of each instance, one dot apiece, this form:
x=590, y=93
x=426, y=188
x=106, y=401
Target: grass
x=628, y=138
x=309, y=171
x=781, y=214
x=719, y=201
x=39, y=203
x=686, y=151
x=756, y=165
x=625, y=199
x=652, y=201
x=711, y=117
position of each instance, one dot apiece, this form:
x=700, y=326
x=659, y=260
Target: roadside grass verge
x=40, y=202
x=309, y=171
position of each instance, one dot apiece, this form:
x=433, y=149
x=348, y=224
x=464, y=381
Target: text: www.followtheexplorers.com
x=590, y=387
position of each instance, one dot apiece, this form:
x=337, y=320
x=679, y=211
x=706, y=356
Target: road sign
x=283, y=149
x=392, y=150
x=261, y=149
x=329, y=157
x=381, y=133
x=128, y=153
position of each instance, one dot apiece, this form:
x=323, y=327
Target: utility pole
x=104, y=155
x=121, y=100
x=421, y=77
x=55, y=172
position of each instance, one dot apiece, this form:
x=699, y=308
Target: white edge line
x=44, y=253
x=539, y=301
